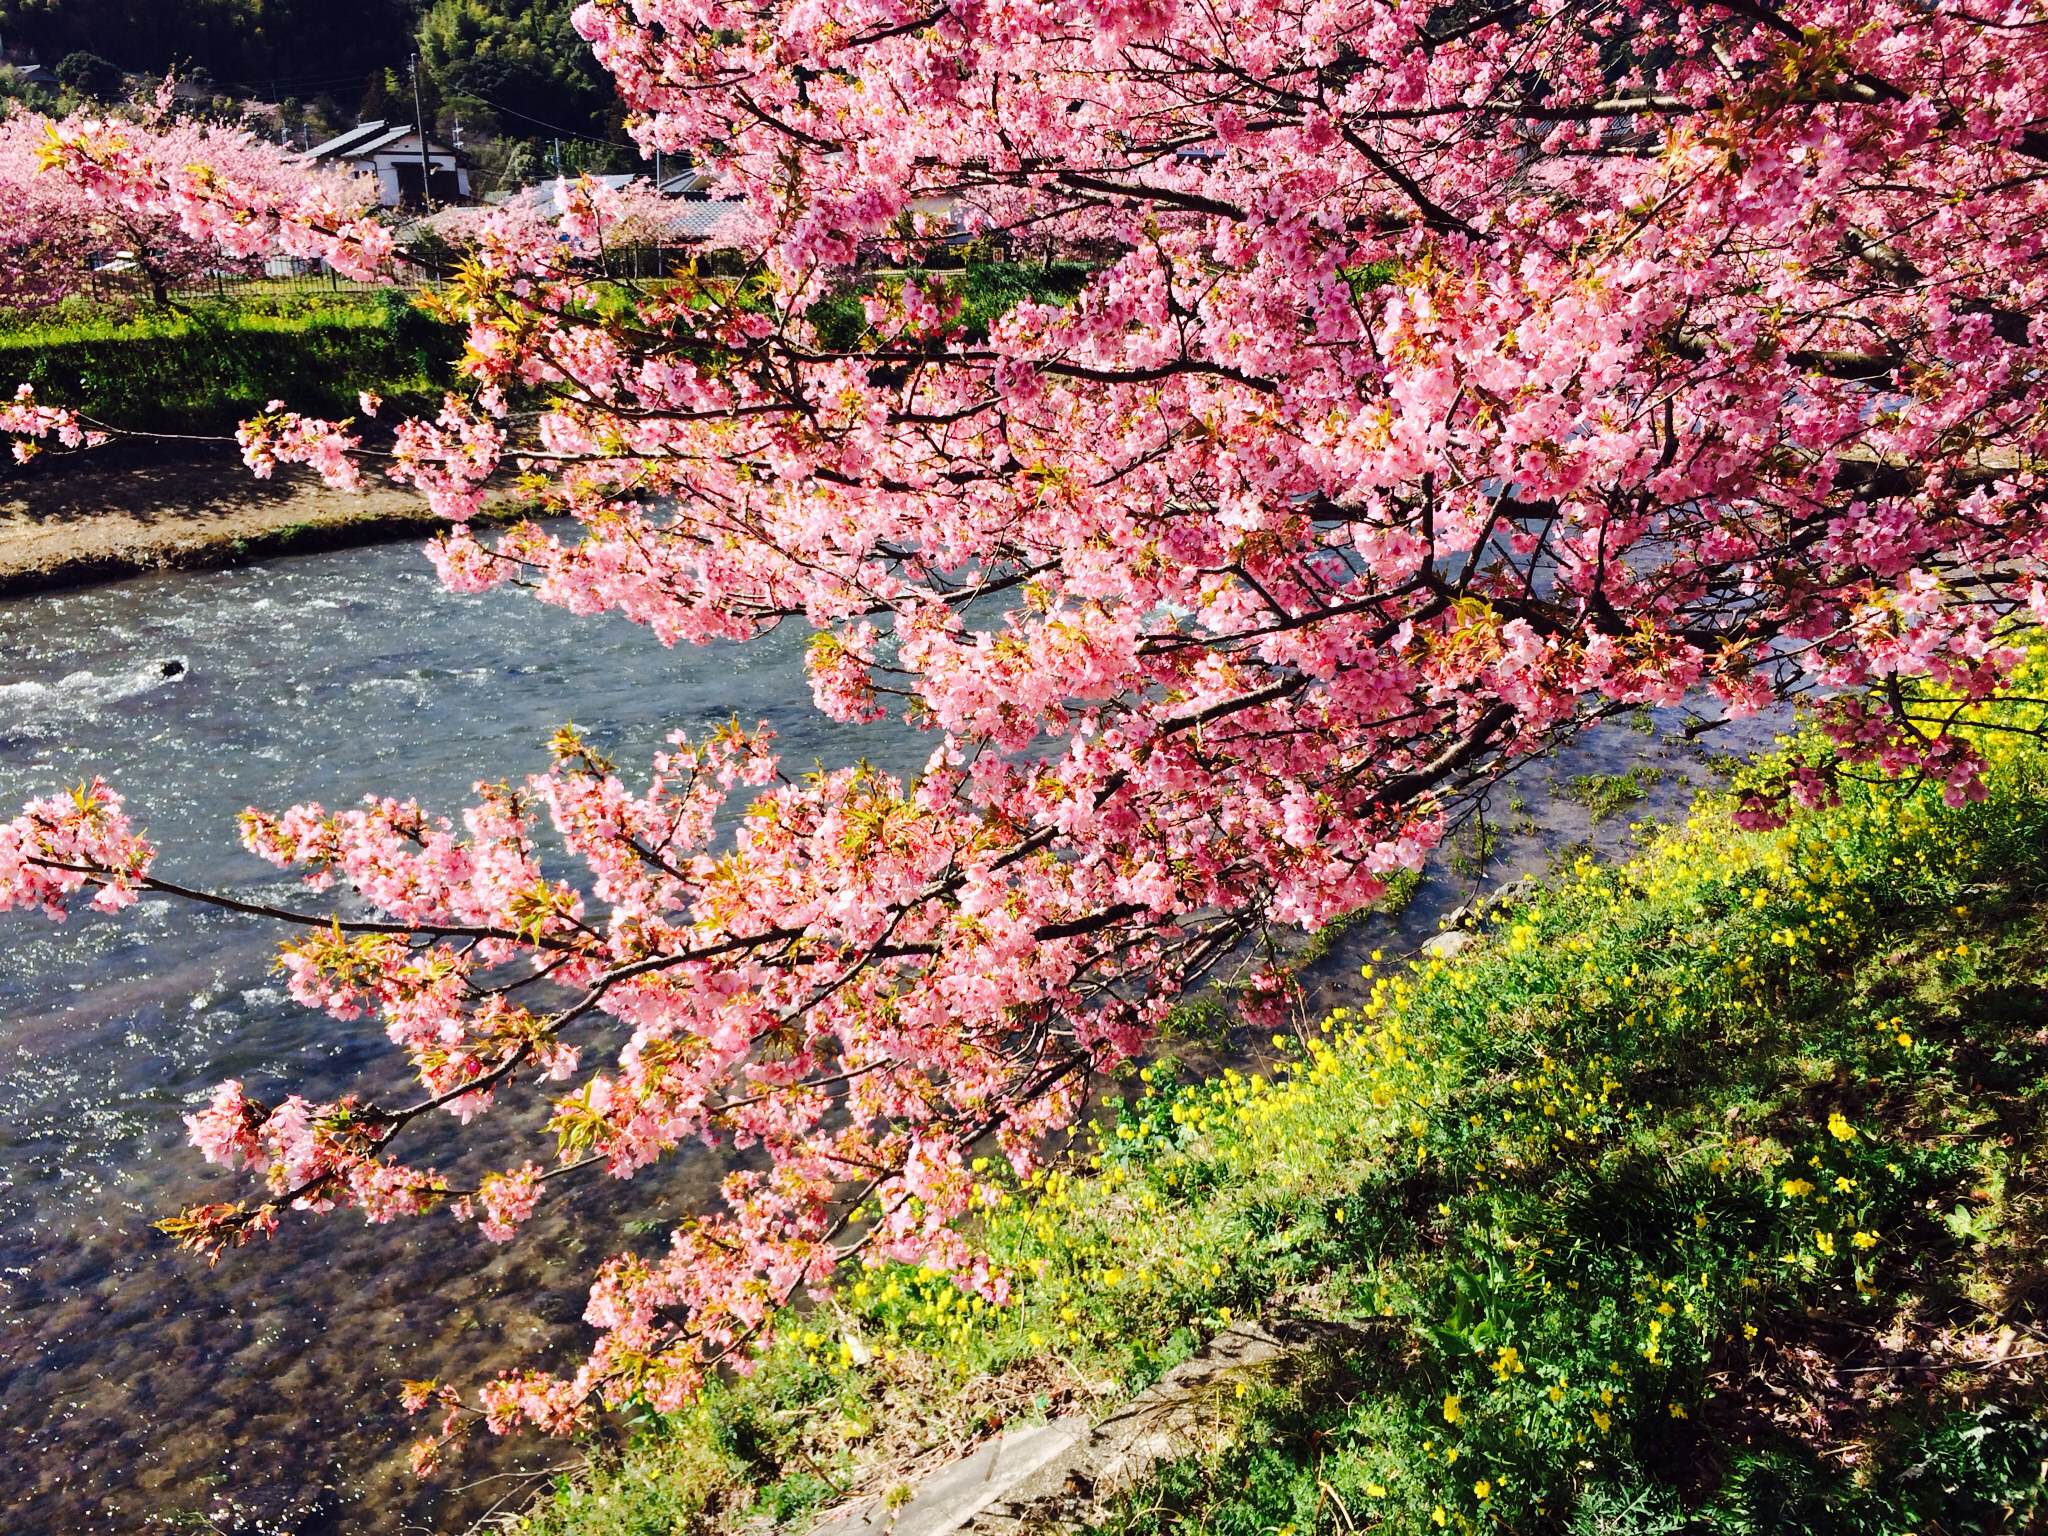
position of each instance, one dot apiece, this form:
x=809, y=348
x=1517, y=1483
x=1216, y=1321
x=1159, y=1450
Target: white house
x=391, y=153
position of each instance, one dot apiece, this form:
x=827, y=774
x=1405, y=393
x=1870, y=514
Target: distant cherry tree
x=59, y=235
x=1454, y=377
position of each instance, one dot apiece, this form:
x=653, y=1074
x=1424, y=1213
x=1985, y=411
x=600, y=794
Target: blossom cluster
x=60, y=845
x=1438, y=389
x=61, y=216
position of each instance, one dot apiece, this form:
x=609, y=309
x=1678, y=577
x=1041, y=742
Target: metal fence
x=128, y=288
x=131, y=287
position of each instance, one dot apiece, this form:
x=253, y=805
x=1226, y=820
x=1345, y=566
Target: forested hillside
x=299, y=47
x=516, y=66
x=518, y=63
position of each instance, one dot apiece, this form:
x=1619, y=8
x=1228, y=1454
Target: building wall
x=397, y=173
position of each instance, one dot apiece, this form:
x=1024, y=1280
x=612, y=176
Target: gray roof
x=343, y=140
x=383, y=140
x=367, y=139
x=540, y=197
x=687, y=218
x=696, y=220
x=687, y=182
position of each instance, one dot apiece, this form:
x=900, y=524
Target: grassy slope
x=207, y=367
x=1705, y=1195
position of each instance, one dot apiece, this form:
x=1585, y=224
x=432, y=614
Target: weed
x=1603, y=794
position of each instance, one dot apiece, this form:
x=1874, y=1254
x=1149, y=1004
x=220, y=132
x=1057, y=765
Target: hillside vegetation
x=513, y=68
x=1705, y=1194
x=208, y=366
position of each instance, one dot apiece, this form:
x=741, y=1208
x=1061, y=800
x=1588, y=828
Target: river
x=139, y=1385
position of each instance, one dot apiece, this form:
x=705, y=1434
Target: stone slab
x=1046, y=1477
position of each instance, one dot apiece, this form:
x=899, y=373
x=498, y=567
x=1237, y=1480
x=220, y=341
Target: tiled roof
x=366, y=139
x=343, y=140
x=383, y=140
x=696, y=220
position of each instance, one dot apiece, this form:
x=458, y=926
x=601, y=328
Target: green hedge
x=987, y=290
x=209, y=368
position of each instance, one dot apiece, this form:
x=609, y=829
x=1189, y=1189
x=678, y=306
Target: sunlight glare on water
x=136, y=1381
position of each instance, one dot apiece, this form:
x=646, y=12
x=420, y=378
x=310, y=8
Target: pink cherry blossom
x=1440, y=387
x=57, y=224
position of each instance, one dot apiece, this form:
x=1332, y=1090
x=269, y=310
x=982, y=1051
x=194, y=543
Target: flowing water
x=137, y=1385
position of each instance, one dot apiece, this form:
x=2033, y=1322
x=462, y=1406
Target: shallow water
x=136, y=1384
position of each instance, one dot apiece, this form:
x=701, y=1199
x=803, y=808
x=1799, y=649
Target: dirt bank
x=78, y=523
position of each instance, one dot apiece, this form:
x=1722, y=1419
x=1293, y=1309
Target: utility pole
x=660, y=244
x=419, y=114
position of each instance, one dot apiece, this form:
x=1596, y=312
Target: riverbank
x=211, y=363
x=1696, y=1191
x=82, y=522
x=138, y=1389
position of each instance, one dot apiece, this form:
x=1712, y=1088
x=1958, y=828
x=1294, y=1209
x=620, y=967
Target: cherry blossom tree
x=39, y=252
x=1456, y=375
x=56, y=231
x=632, y=215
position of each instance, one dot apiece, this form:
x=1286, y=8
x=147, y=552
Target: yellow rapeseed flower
x=1453, y=1410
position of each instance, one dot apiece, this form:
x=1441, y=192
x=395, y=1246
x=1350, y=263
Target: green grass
x=662, y=1488
x=987, y=291
x=254, y=302
x=207, y=367
x=1471, y=848
x=1605, y=794
x=1704, y=1195
x=209, y=363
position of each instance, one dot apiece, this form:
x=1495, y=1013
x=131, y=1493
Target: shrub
x=90, y=75
x=206, y=368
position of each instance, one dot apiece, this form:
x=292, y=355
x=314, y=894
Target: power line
x=539, y=122
x=272, y=82
x=301, y=81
